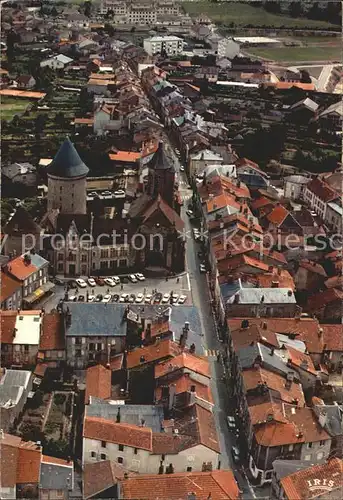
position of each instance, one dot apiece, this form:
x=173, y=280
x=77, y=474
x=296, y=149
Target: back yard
x=10, y=107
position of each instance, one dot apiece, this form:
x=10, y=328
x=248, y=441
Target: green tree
x=88, y=8
x=272, y=6
x=295, y=9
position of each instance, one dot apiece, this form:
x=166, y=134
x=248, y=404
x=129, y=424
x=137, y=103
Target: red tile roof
x=9, y=286
x=316, y=481
x=52, y=335
x=19, y=269
x=275, y=382
x=333, y=337
x=9, y=451
x=289, y=85
x=314, y=267
x=116, y=363
x=184, y=361
x=334, y=282
x=29, y=460
x=99, y=476
x=320, y=300
x=125, y=156
x=322, y=190
x=283, y=277
x=266, y=413
x=98, y=382
x=305, y=329
x=101, y=429
x=306, y=423
x=221, y=201
x=301, y=360
x=183, y=384
x=155, y=352
x=243, y=337
x=277, y=215
x=217, y=485
x=8, y=321
x=244, y=162
x=261, y=202
x=57, y=461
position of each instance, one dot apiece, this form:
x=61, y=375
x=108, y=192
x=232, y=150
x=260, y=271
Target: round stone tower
x=67, y=181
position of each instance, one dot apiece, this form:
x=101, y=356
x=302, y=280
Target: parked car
x=148, y=298
x=231, y=422
x=132, y=278
x=235, y=454
x=106, y=298
x=72, y=298
x=139, y=298
x=100, y=281
x=190, y=213
x=140, y=277
x=119, y=193
x=91, y=298
x=182, y=168
x=166, y=298
x=115, y=297
x=202, y=268
x=81, y=298
x=132, y=298
x=182, y=299
x=116, y=279
x=109, y=282
x=157, y=298
x=81, y=283
x=99, y=297
x=91, y=282
x=124, y=297
x=175, y=298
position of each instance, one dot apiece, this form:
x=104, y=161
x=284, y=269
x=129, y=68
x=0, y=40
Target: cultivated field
x=297, y=54
x=242, y=15
x=10, y=107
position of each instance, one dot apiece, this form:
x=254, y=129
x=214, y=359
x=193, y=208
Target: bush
x=59, y=399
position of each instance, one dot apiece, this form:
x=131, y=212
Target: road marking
x=188, y=282
x=211, y=353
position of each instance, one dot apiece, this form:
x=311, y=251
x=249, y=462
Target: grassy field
x=10, y=107
x=297, y=54
x=243, y=14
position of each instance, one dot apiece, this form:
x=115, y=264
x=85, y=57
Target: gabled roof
x=98, y=382
x=8, y=286
x=322, y=299
x=243, y=337
x=151, y=353
x=52, y=333
x=333, y=337
x=100, y=476
x=184, y=361
x=102, y=429
x=322, y=190
x=315, y=481
x=159, y=205
x=21, y=223
x=67, y=162
x=277, y=215
x=314, y=267
x=217, y=485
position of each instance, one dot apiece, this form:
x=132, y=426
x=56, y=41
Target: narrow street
x=211, y=344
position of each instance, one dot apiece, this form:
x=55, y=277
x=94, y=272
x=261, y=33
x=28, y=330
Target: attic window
x=21, y=318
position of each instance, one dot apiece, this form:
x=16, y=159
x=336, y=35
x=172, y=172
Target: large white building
x=227, y=48
x=127, y=12
x=172, y=45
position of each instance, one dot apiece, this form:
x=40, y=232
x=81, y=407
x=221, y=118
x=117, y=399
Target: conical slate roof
x=160, y=161
x=67, y=162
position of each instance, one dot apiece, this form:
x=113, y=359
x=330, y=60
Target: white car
x=124, y=297
x=175, y=298
x=182, y=168
x=189, y=213
x=116, y=279
x=107, y=298
x=91, y=298
x=182, y=299
x=139, y=298
x=140, y=276
x=202, y=268
x=91, y=282
x=148, y=298
x=72, y=298
x=119, y=194
x=109, y=282
x=132, y=278
x=231, y=422
x=81, y=283
x=166, y=298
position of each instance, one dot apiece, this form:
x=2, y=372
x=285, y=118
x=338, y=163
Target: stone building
x=67, y=181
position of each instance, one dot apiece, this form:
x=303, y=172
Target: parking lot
x=149, y=287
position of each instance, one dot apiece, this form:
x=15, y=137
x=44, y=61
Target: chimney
x=264, y=325
x=270, y=269
x=126, y=476
x=184, y=336
x=192, y=396
x=172, y=394
x=148, y=332
x=272, y=351
x=2, y=435
x=142, y=422
x=320, y=332
x=118, y=416
x=275, y=284
x=289, y=293
x=322, y=419
x=236, y=299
